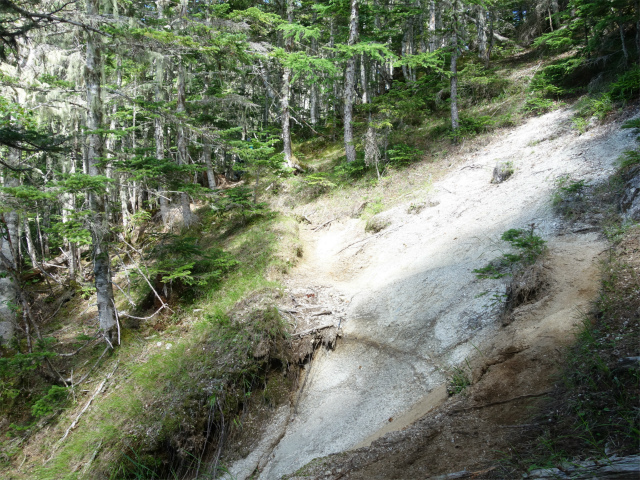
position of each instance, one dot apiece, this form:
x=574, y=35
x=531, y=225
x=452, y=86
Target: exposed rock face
x=630, y=202
x=502, y=172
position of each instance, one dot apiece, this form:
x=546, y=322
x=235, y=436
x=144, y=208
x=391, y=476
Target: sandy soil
x=409, y=311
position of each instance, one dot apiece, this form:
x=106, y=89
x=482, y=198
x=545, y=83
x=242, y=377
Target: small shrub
x=459, y=379
x=351, y=170
x=537, y=105
x=54, y=399
x=528, y=247
x=403, y=154
x=568, y=196
x=471, y=126
x=627, y=86
x=580, y=124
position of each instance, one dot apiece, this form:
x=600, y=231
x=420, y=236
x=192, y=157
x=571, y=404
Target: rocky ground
x=406, y=314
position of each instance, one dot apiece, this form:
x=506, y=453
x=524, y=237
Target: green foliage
x=14, y=368
x=478, y=84
x=568, y=193
x=73, y=230
x=53, y=400
x=557, y=41
x=629, y=159
x=537, y=105
x=239, y=199
x=351, y=170
x=402, y=154
x=459, y=379
x=87, y=291
x=180, y=261
x=82, y=183
x=627, y=86
x=528, y=247
x=471, y=126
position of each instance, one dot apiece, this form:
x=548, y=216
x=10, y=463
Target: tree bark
x=481, y=24
x=8, y=244
x=206, y=153
x=349, y=85
x=159, y=139
x=432, y=26
x=181, y=141
x=99, y=226
x=286, y=96
x=455, y=123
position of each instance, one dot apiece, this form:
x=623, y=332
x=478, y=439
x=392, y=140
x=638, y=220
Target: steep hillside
x=418, y=316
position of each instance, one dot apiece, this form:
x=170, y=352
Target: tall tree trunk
x=334, y=100
x=481, y=24
x=206, y=153
x=625, y=52
x=69, y=206
x=349, y=85
x=364, y=82
x=491, y=43
x=158, y=134
x=313, y=100
x=99, y=226
x=432, y=26
x=181, y=141
x=455, y=123
x=8, y=244
x=286, y=96
x=555, y=9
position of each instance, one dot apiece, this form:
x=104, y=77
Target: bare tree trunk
x=332, y=30
x=206, y=153
x=363, y=79
x=313, y=100
x=68, y=207
x=349, y=85
x=181, y=141
x=286, y=94
x=455, y=123
x=99, y=226
x=432, y=26
x=8, y=244
x=625, y=52
x=158, y=134
x=481, y=24
x=487, y=60
x=31, y=250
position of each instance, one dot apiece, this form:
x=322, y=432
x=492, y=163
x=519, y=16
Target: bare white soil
x=414, y=309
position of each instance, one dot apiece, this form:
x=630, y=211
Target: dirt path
x=414, y=311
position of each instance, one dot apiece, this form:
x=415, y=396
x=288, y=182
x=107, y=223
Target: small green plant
x=375, y=206
x=54, y=399
x=629, y=159
x=537, y=106
x=568, y=195
x=528, y=247
x=459, y=379
x=87, y=291
x=403, y=154
x=580, y=124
